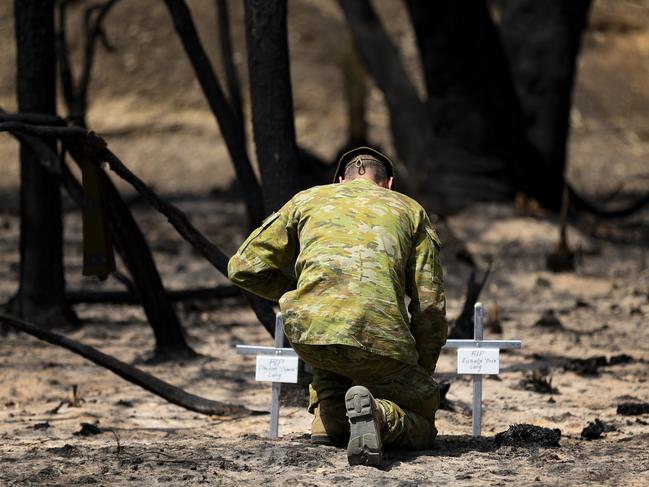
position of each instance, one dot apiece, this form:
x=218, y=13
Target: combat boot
x=330, y=425
x=367, y=418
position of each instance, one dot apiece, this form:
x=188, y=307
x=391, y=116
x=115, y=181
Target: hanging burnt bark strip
x=272, y=100
x=41, y=292
x=542, y=41
x=226, y=119
x=132, y=374
x=231, y=76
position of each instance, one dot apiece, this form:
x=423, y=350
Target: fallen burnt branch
x=98, y=151
x=127, y=238
x=127, y=297
x=160, y=388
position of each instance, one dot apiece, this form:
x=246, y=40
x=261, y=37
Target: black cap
x=348, y=157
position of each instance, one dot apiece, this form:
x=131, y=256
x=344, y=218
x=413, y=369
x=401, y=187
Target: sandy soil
x=603, y=308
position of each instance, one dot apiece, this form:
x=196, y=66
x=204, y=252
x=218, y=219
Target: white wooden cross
x=283, y=369
x=477, y=357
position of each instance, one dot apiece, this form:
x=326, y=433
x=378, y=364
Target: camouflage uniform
x=341, y=259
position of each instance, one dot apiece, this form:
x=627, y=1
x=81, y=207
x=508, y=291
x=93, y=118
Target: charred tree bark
x=231, y=76
x=41, y=293
x=226, y=119
x=272, y=100
x=542, y=41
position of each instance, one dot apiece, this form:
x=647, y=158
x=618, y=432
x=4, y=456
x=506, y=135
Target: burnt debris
x=538, y=380
x=633, y=408
x=528, y=435
x=595, y=429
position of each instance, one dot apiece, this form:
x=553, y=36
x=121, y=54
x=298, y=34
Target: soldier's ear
x=390, y=182
x=341, y=179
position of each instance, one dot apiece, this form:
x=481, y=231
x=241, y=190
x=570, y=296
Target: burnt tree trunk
x=471, y=95
x=272, y=100
x=542, y=41
x=41, y=293
x=444, y=175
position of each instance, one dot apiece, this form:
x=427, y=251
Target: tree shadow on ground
x=445, y=446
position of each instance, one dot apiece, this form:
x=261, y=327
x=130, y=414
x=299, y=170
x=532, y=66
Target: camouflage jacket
x=340, y=259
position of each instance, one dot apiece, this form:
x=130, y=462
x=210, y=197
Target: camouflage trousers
x=408, y=393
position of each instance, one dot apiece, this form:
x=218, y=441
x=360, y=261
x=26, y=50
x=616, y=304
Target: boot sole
x=364, y=447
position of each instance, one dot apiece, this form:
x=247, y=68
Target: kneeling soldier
x=357, y=250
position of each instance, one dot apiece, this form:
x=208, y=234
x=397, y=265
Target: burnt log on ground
x=131, y=374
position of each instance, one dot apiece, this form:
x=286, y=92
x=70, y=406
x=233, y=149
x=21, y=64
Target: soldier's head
x=365, y=163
